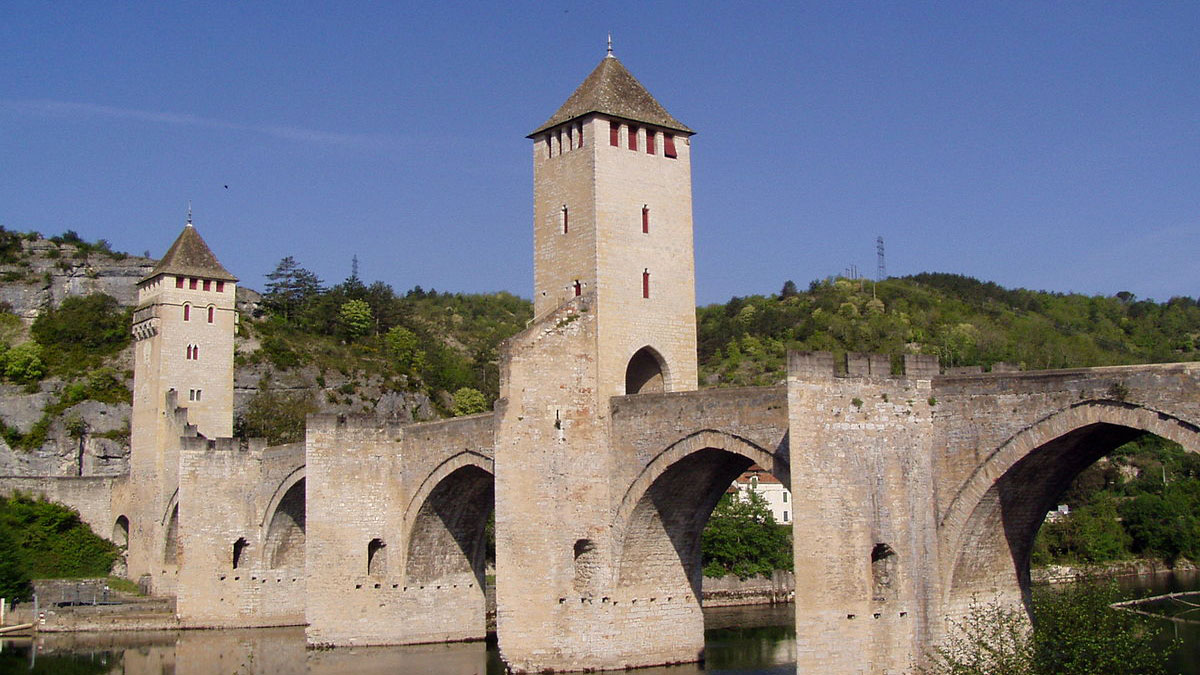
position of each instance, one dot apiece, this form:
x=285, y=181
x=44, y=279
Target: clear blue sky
x=1048, y=145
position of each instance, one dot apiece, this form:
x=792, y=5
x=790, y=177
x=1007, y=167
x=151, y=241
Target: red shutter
x=207, y=285
x=646, y=284
x=578, y=288
x=614, y=133
x=633, y=131
x=178, y=282
x=645, y=220
x=210, y=314
x=187, y=312
x=669, y=145
x=650, y=141
x=220, y=286
x=192, y=284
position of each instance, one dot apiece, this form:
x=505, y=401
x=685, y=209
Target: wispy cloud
x=67, y=109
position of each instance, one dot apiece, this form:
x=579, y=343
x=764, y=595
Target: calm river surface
x=741, y=640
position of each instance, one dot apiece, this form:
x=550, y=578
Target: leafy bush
x=276, y=416
x=468, y=401
x=47, y=540
x=1075, y=632
x=81, y=333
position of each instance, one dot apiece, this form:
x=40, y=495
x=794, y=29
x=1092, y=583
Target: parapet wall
x=89, y=495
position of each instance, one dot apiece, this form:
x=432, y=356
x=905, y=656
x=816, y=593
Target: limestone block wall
x=553, y=503
x=861, y=481
x=226, y=575
x=372, y=482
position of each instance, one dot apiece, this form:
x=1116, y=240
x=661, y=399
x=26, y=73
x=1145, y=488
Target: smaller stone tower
x=183, y=330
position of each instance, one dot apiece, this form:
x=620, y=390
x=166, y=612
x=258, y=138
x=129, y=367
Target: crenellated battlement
x=823, y=366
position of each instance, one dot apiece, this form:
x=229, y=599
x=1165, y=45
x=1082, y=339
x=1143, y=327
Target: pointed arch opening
x=448, y=535
x=120, y=535
x=646, y=372
x=285, y=540
x=991, y=539
x=171, y=547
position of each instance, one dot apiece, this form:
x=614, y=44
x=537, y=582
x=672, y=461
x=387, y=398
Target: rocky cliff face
x=92, y=438
x=46, y=273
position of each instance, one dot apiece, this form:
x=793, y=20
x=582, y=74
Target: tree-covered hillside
x=963, y=321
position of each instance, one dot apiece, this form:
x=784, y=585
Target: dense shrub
x=47, y=540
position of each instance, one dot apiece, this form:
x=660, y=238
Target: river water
x=739, y=640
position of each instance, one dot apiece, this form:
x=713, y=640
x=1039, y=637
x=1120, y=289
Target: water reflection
x=742, y=640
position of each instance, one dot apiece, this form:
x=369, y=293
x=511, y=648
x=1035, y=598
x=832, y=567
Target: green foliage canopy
x=742, y=538
x=47, y=540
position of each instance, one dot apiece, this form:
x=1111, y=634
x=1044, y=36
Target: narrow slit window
x=614, y=133
x=178, y=282
x=207, y=285
x=669, y=145
x=560, y=139
x=189, y=352
x=211, y=313
x=198, y=392
x=571, y=137
x=578, y=288
x=579, y=132
x=565, y=219
x=650, y=134
x=187, y=312
x=549, y=146
x=220, y=286
x=645, y=219
x=645, y=283
x=633, y=134
x=191, y=394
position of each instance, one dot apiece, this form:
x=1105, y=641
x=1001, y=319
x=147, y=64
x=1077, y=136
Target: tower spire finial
x=610, y=54
x=189, y=215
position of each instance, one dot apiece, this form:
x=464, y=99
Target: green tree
x=289, y=288
x=355, y=318
x=276, y=416
x=404, y=348
x=468, y=401
x=14, y=577
x=743, y=538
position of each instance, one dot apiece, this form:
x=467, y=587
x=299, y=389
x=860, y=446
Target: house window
x=614, y=133
x=650, y=141
x=178, y=282
x=785, y=496
x=645, y=283
x=565, y=219
x=220, y=286
x=192, y=284
x=211, y=312
x=785, y=516
x=187, y=312
x=578, y=288
x=633, y=133
x=645, y=219
x=669, y=145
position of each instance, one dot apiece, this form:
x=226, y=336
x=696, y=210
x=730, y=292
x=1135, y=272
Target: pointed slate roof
x=613, y=90
x=190, y=256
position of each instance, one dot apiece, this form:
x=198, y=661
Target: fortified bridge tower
x=615, y=314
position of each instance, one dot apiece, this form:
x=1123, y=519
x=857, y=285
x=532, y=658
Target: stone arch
x=120, y=533
x=286, y=484
x=446, y=520
x=667, y=506
x=284, y=542
x=171, y=545
x=646, y=372
x=987, y=532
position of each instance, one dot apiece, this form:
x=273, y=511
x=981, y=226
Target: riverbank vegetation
x=1075, y=632
x=44, y=540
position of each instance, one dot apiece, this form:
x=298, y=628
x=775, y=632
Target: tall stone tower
x=183, y=330
x=613, y=215
x=614, y=314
